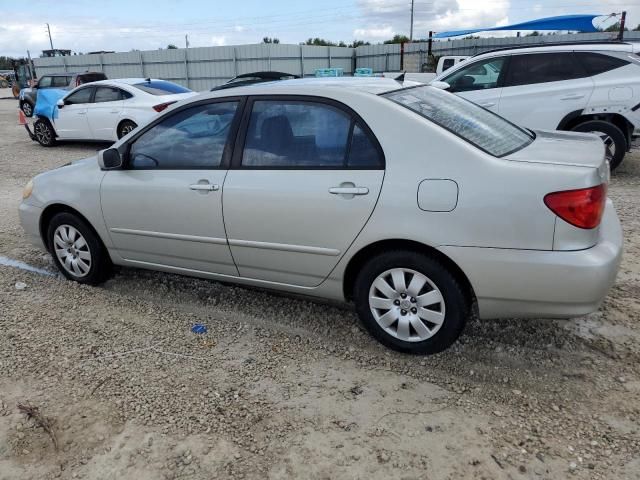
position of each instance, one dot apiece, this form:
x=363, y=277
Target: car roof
x=127, y=81
x=564, y=47
x=311, y=86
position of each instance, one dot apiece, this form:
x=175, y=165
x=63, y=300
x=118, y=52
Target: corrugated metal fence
x=205, y=67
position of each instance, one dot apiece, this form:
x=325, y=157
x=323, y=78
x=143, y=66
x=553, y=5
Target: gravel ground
x=287, y=388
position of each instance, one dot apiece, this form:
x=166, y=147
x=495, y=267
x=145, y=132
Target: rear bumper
x=30, y=220
x=534, y=283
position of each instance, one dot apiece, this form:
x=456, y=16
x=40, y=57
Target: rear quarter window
x=597, y=63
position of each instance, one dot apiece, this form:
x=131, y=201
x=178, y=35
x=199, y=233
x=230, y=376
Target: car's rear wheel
x=411, y=302
x=76, y=250
x=27, y=108
x=614, y=139
x=125, y=128
x=44, y=133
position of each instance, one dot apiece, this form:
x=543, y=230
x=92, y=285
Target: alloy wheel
x=407, y=304
x=72, y=250
x=43, y=133
x=26, y=108
x=609, y=145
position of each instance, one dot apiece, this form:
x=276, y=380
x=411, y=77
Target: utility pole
x=411, y=29
x=50, y=41
x=623, y=18
x=186, y=41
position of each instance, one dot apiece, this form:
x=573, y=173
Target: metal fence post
x=101, y=64
x=386, y=62
x=64, y=63
x=141, y=65
x=235, y=62
x=329, y=55
x=301, y=62
x=269, y=53
x=186, y=68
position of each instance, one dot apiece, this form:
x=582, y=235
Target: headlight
x=28, y=188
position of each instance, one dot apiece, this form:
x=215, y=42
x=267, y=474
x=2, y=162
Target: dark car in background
x=255, y=77
x=68, y=81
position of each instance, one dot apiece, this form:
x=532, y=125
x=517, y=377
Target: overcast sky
x=123, y=25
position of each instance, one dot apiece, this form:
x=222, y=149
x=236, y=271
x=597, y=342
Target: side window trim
x=229, y=147
x=241, y=137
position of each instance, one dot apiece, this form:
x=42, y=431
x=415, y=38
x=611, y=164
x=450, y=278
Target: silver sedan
x=415, y=204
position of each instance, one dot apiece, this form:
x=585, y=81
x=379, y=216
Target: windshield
x=476, y=125
x=160, y=87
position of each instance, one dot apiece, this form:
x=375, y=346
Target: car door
x=480, y=81
x=540, y=89
x=104, y=113
x=303, y=184
x=71, y=121
x=164, y=207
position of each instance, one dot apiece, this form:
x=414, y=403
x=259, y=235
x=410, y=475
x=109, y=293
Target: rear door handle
x=576, y=96
x=349, y=190
x=205, y=187
x=488, y=104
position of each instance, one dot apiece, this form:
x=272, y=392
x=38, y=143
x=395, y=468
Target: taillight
x=582, y=208
x=78, y=82
x=160, y=107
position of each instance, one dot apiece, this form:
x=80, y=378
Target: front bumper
x=536, y=283
x=30, y=220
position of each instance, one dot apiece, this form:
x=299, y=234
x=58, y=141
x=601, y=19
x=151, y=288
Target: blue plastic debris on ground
x=199, y=329
x=46, y=104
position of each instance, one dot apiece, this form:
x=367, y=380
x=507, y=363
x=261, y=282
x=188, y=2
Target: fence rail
x=205, y=67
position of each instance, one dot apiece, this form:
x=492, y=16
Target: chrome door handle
x=488, y=104
x=207, y=187
x=572, y=97
x=349, y=190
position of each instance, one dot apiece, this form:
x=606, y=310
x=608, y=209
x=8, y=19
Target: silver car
x=411, y=202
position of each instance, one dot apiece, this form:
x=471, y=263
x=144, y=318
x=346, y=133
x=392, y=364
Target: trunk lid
x=563, y=148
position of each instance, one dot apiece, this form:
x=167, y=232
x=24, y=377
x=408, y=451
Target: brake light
x=160, y=107
x=582, y=208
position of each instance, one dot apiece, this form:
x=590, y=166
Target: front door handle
x=488, y=104
x=349, y=190
x=205, y=187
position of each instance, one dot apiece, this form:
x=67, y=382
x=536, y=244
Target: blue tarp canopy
x=580, y=23
x=46, y=103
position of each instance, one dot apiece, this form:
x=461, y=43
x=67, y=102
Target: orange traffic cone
x=22, y=119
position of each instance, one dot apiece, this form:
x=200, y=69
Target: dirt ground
x=287, y=388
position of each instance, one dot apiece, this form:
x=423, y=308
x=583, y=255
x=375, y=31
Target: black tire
x=456, y=303
x=125, y=127
x=27, y=108
x=100, y=266
x=616, y=135
x=44, y=132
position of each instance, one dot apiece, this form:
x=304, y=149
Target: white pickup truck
x=444, y=63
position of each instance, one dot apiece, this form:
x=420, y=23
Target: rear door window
x=306, y=134
x=60, y=82
x=597, y=63
x=532, y=68
x=44, y=82
x=107, y=94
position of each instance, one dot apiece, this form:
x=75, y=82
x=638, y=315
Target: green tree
x=320, y=42
x=615, y=28
x=358, y=43
x=397, y=39
x=535, y=33
x=270, y=40
x=637, y=29
x=171, y=46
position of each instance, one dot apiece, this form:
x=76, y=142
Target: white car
x=107, y=110
x=581, y=87
x=412, y=202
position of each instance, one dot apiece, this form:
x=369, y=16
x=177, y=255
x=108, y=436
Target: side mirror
x=60, y=103
x=440, y=85
x=109, y=159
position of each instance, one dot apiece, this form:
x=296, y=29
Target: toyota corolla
x=416, y=205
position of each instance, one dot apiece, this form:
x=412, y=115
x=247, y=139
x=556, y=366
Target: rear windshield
x=160, y=87
x=480, y=127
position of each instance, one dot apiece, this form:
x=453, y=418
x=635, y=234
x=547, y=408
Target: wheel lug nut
x=403, y=312
x=413, y=300
x=414, y=310
x=396, y=302
x=403, y=295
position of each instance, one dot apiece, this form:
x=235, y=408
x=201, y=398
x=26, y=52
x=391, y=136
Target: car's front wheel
x=27, y=109
x=614, y=140
x=411, y=302
x=76, y=250
x=125, y=128
x=44, y=133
